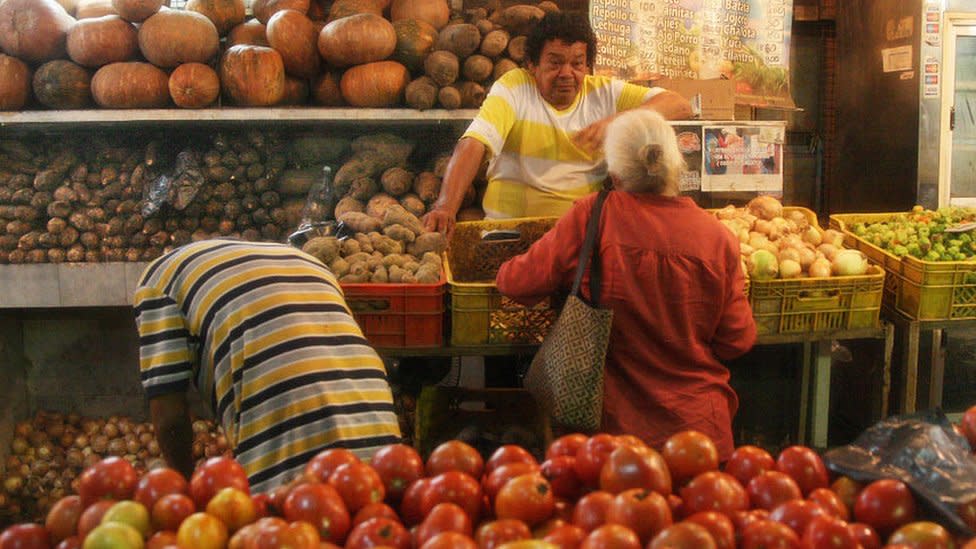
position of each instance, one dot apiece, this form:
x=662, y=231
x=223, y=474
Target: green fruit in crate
x=923, y=234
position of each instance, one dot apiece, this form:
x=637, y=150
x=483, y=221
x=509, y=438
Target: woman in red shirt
x=671, y=274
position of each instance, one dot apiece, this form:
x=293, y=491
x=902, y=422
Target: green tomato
x=932, y=256
x=899, y=250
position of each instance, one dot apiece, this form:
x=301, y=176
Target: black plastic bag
x=921, y=450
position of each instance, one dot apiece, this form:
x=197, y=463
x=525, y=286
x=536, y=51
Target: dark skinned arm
x=459, y=176
x=669, y=104
x=173, y=431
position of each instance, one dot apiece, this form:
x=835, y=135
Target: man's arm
x=459, y=176
x=173, y=431
x=669, y=104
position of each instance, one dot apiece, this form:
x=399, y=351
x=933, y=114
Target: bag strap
x=590, y=252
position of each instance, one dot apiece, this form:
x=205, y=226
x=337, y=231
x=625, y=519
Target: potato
x=363, y=189
x=518, y=19
x=516, y=48
x=502, y=66
x=442, y=67
x=350, y=247
x=323, y=248
x=397, y=215
x=376, y=207
x=428, y=273
x=348, y=204
x=461, y=39
x=380, y=275
x=449, y=98
x=385, y=245
x=413, y=204
x=421, y=93
x=427, y=186
x=360, y=222
x=399, y=232
x=339, y=267
x=494, y=43
x=396, y=181
x=477, y=68
x=428, y=242
x=365, y=244
x=472, y=94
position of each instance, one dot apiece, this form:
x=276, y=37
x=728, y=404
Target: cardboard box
x=717, y=96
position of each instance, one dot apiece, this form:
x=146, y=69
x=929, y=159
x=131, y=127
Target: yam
x=461, y=39
x=377, y=206
x=392, y=150
x=365, y=244
x=395, y=259
x=428, y=273
x=421, y=93
x=477, y=68
x=548, y=6
x=442, y=67
x=339, y=267
x=356, y=167
x=323, y=248
x=380, y=275
x=516, y=48
x=348, y=204
x=449, y=98
x=440, y=164
x=385, y=245
x=350, y=247
x=298, y=182
x=399, y=232
x=427, y=186
x=396, y=181
x=428, y=242
x=472, y=94
x=413, y=204
x=494, y=43
x=397, y=215
x=431, y=257
x=314, y=150
x=396, y=274
x=360, y=222
x=363, y=189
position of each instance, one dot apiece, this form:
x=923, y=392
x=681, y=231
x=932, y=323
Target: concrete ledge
x=68, y=285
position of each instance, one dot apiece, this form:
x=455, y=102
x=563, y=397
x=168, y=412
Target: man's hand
x=590, y=138
x=439, y=220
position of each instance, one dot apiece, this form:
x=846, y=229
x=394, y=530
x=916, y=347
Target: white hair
x=642, y=152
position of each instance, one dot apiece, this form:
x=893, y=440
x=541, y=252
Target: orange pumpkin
x=15, y=83
x=34, y=30
x=435, y=12
x=61, y=84
x=172, y=37
x=379, y=84
x=194, y=85
x=415, y=39
x=225, y=14
x=325, y=91
x=249, y=33
x=102, y=40
x=264, y=9
x=294, y=36
x=252, y=76
x=136, y=10
x=88, y=9
x=345, y=8
x=296, y=91
x=357, y=39
x=130, y=85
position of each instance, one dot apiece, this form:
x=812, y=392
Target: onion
x=116, y=447
x=849, y=263
x=812, y=236
x=132, y=445
x=73, y=418
x=111, y=430
x=54, y=430
x=828, y=250
x=790, y=268
x=153, y=447
x=23, y=429
x=834, y=237
x=200, y=426
x=13, y=484
x=790, y=254
x=67, y=439
x=12, y=462
x=798, y=219
x=765, y=207
x=762, y=265
x=81, y=441
x=99, y=444
x=19, y=445
x=820, y=268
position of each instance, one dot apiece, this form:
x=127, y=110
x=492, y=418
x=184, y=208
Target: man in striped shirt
x=543, y=128
x=264, y=333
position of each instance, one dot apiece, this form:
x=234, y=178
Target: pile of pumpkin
x=67, y=54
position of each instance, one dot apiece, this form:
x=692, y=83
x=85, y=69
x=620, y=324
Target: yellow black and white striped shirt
x=265, y=333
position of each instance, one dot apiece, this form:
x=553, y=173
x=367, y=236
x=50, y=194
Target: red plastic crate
x=399, y=315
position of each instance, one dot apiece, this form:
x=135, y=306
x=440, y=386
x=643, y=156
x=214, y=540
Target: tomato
x=590, y=511
x=455, y=455
x=110, y=478
x=397, y=465
x=566, y=536
x=560, y=471
x=275, y=533
x=769, y=534
x=444, y=517
x=566, y=445
x=643, y=511
x=170, y=510
x=683, y=535
x=304, y=535
x=770, y=488
x=25, y=536
x=677, y=506
x=492, y=482
x=509, y=453
x=92, y=516
x=630, y=440
x=827, y=532
x=847, y=490
x=922, y=535
x=449, y=540
x=157, y=483
x=805, y=466
x=742, y=519
x=494, y=533
x=634, y=467
x=714, y=491
x=796, y=514
x=214, y=474
x=411, y=506
x=74, y=542
x=527, y=498
x=454, y=487
x=131, y=513
x=718, y=525
x=591, y=456
x=324, y=463
x=885, y=505
x=831, y=502
x=233, y=507
x=377, y=532
x=202, y=531
x=689, y=453
x=611, y=536
x=865, y=535
x=374, y=510
x=971, y=544
x=968, y=426
x=748, y=461
x=262, y=504
x=61, y=521
x=358, y=484
x=321, y=506
x=161, y=539
x=115, y=535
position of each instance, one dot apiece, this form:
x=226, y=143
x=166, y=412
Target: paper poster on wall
x=742, y=158
x=745, y=40
x=690, y=145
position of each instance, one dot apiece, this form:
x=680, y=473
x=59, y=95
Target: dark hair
x=570, y=27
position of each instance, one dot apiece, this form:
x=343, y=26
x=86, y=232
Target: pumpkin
x=88, y=9
x=130, y=85
x=296, y=91
x=379, y=84
x=61, y=84
x=345, y=8
x=249, y=33
x=325, y=91
x=264, y=9
x=136, y=11
x=224, y=14
x=34, y=30
x=252, y=76
x=102, y=40
x=172, y=37
x=435, y=12
x=15, y=83
x=69, y=6
x=294, y=36
x=357, y=39
x=194, y=85
x=414, y=41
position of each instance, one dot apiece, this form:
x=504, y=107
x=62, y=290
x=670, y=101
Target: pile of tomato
x=589, y=492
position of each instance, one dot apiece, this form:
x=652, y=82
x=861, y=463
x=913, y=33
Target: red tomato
x=611, y=536
x=455, y=455
x=170, y=510
x=769, y=534
x=509, y=453
x=374, y=510
x=358, y=484
x=643, y=511
x=25, y=536
x=683, y=535
x=770, y=488
x=262, y=503
x=324, y=463
x=847, y=490
x=527, y=498
x=591, y=456
x=565, y=536
x=714, y=491
x=827, y=532
x=305, y=535
x=411, y=505
x=157, y=483
x=110, y=478
x=747, y=462
x=560, y=471
x=454, y=487
x=492, y=534
x=885, y=505
x=321, y=506
x=971, y=544
x=492, y=482
x=377, y=532
x=831, y=502
x=566, y=445
x=968, y=426
x=805, y=466
x=449, y=540
x=865, y=535
x=74, y=542
x=796, y=514
x=718, y=525
x=444, y=517
x=397, y=465
x=161, y=539
x=689, y=453
x=214, y=474
x=202, y=531
x=92, y=516
x=634, y=467
x=742, y=519
x=590, y=511
x=922, y=535
x=275, y=533
x=61, y=521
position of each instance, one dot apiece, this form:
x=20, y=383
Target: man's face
x=559, y=74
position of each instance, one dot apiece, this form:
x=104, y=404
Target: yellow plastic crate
x=479, y=313
x=921, y=290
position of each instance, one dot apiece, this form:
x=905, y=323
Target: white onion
x=849, y=263
x=789, y=268
x=820, y=268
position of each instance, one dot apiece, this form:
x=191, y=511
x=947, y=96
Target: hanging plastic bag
x=318, y=212
x=177, y=189
x=921, y=450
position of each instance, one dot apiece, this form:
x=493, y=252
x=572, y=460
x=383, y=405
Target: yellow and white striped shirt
x=265, y=333
x=536, y=169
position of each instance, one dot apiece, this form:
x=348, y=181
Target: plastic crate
x=399, y=315
x=484, y=418
x=479, y=313
x=921, y=290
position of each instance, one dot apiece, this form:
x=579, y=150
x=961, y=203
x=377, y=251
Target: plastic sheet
x=178, y=189
x=921, y=450
x=318, y=213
